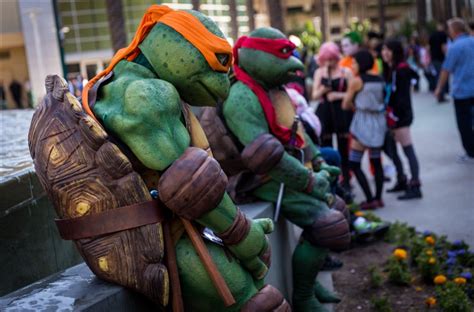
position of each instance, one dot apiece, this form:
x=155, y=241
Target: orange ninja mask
x=189, y=26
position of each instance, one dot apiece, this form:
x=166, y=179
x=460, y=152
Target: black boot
x=413, y=191
x=400, y=186
x=344, y=194
x=331, y=263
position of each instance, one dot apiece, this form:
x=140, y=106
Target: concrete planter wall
x=30, y=246
x=77, y=288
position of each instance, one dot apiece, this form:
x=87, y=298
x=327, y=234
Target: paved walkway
x=448, y=187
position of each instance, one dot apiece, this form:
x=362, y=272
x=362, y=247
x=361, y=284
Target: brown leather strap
x=177, y=304
x=237, y=231
x=309, y=186
x=308, y=153
x=110, y=221
x=92, y=94
x=216, y=277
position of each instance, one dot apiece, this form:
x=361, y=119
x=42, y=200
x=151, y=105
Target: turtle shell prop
x=96, y=194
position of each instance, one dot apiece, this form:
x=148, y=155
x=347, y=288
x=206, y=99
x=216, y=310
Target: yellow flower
x=430, y=301
x=359, y=213
x=429, y=252
x=460, y=280
x=418, y=288
x=430, y=240
x=400, y=254
x=431, y=260
x=440, y=279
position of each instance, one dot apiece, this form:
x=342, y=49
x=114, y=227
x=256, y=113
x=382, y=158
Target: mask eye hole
x=285, y=50
x=223, y=58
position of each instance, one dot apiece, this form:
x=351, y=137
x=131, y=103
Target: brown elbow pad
x=268, y=299
x=263, y=153
x=193, y=185
x=330, y=231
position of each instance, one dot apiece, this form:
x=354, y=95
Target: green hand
x=321, y=185
x=255, y=244
x=333, y=171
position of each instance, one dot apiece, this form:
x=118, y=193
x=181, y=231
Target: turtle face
x=267, y=69
x=177, y=61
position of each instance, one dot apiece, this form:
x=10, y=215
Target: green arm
x=149, y=122
x=245, y=118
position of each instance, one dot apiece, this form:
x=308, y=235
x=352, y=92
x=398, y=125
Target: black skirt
x=333, y=118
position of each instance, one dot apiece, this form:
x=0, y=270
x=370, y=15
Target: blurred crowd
x=361, y=90
x=20, y=94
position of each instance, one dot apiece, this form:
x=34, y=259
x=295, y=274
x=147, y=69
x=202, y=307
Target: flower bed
x=410, y=271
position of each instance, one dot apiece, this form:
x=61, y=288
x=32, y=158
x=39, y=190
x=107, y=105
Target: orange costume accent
x=347, y=62
x=189, y=26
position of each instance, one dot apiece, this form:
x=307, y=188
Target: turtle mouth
x=292, y=73
x=214, y=96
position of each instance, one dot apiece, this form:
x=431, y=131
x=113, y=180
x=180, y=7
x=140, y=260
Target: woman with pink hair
x=329, y=88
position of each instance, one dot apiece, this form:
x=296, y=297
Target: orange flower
x=432, y=260
x=430, y=240
x=359, y=213
x=460, y=280
x=400, y=254
x=440, y=279
x=430, y=302
x=429, y=252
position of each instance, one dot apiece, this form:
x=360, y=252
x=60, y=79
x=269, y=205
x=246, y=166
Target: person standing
x=3, y=103
x=460, y=63
x=398, y=76
x=350, y=44
x=374, y=45
x=16, y=91
x=438, y=45
x=330, y=85
x=366, y=96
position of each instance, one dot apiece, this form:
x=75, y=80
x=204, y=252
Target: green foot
x=308, y=305
x=324, y=295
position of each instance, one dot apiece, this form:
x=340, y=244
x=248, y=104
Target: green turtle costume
x=267, y=154
x=153, y=144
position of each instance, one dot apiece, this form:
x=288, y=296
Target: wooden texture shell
x=84, y=173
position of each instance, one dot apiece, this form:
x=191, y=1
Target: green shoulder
x=243, y=114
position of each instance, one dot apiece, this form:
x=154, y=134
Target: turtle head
x=179, y=62
x=267, y=69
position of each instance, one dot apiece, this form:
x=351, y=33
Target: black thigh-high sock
x=413, y=161
x=343, y=147
x=390, y=148
x=376, y=162
x=354, y=161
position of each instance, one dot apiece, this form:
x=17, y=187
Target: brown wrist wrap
x=237, y=231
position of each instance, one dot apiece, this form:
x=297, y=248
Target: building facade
x=13, y=65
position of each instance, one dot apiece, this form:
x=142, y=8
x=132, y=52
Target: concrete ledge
x=77, y=288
